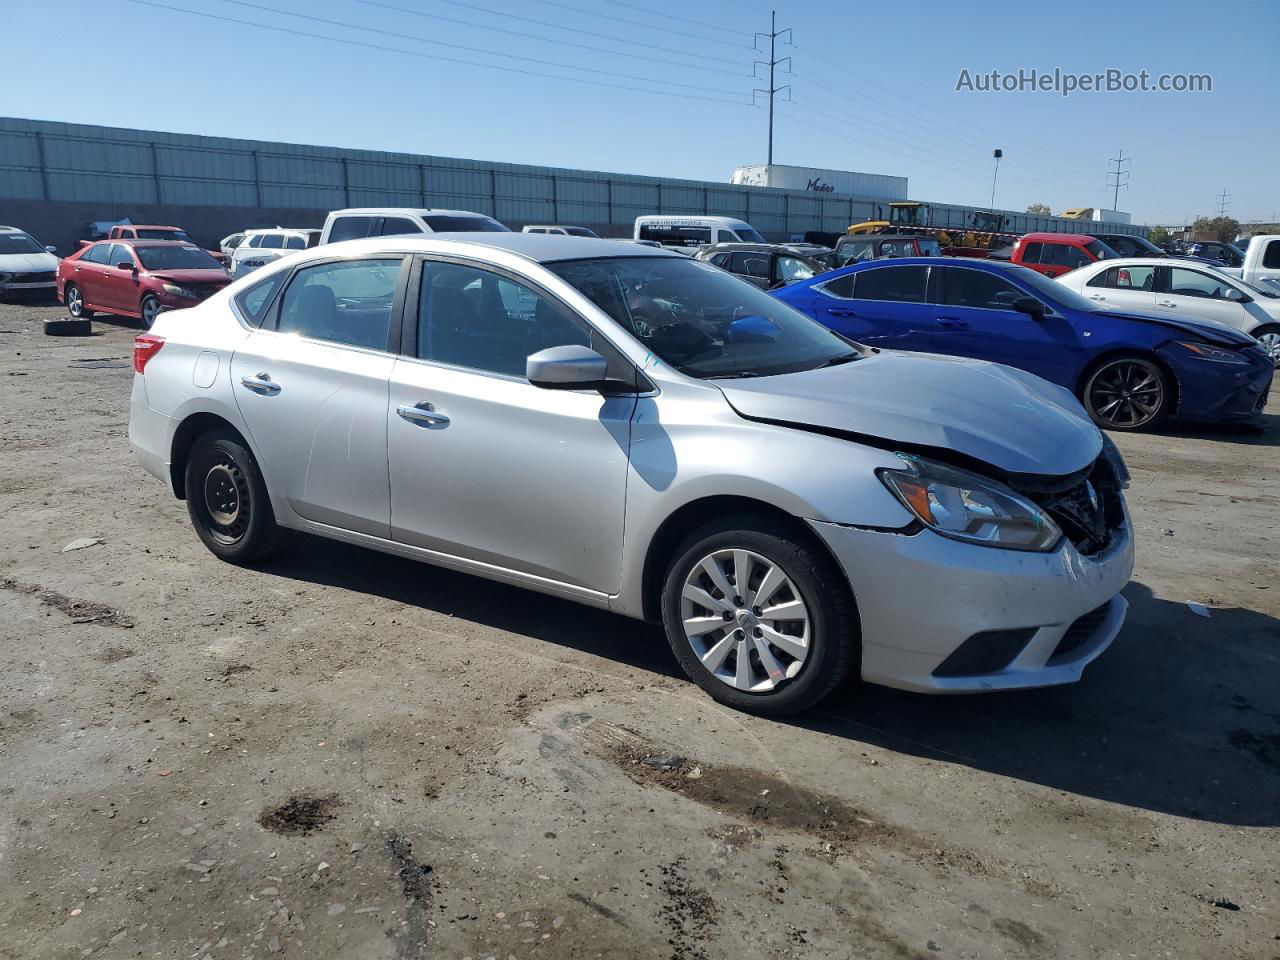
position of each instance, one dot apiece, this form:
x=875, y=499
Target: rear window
x=392, y=226
x=163, y=235
x=253, y=303
x=464, y=225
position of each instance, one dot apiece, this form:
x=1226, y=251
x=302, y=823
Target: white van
x=685, y=232
x=361, y=222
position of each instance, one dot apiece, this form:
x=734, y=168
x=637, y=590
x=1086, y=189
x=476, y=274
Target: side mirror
x=126, y=265
x=50, y=248
x=1237, y=296
x=1030, y=306
x=569, y=367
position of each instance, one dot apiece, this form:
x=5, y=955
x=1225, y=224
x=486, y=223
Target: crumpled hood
x=1211, y=331
x=192, y=276
x=999, y=415
x=41, y=262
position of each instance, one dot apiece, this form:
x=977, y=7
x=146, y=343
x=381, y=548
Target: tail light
x=145, y=346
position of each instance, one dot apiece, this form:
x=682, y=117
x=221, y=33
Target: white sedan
x=1181, y=289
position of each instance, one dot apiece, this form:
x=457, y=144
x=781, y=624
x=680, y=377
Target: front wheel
x=1269, y=338
x=149, y=309
x=227, y=500
x=758, y=616
x=1127, y=393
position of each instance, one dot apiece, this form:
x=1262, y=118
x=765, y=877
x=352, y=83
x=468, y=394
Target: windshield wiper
x=736, y=375
x=838, y=359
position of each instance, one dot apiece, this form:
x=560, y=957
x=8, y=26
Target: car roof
x=148, y=226
x=130, y=241
x=255, y=230
x=980, y=263
x=420, y=211
x=1041, y=237
x=538, y=247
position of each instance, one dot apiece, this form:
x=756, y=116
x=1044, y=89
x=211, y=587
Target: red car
x=1054, y=254
x=137, y=278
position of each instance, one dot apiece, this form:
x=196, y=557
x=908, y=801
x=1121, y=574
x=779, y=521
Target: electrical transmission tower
x=1224, y=201
x=1117, y=178
x=772, y=63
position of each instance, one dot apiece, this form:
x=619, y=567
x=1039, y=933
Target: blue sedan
x=1130, y=370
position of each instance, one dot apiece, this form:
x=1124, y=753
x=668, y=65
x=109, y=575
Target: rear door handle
x=841, y=312
x=951, y=323
x=261, y=383
x=423, y=413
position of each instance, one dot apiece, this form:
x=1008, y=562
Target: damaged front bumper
x=940, y=616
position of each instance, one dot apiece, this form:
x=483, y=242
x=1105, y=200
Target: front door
x=486, y=466
x=120, y=287
x=311, y=384
x=975, y=318
x=1190, y=293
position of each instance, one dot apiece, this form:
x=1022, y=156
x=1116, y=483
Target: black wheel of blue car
x=1127, y=393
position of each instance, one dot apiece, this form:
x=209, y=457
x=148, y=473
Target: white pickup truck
x=1261, y=261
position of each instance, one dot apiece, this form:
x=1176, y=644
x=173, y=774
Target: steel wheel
x=150, y=310
x=227, y=501
x=745, y=620
x=1126, y=393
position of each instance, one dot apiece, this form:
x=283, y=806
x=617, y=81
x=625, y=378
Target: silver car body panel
x=564, y=491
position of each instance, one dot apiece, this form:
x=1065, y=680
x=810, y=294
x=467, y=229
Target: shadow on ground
x=1260, y=431
x=1180, y=716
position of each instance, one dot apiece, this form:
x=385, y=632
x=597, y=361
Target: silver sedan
x=643, y=432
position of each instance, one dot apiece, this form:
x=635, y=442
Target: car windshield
x=1052, y=290
x=580, y=232
x=748, y=235
x=164, y=235
x=1100, y=250
x=18, y=243
x=1142, y=243
x=176, y=258
x=701, y=320
x=465, y=225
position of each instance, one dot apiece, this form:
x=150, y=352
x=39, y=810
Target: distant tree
x=1216, y=228
x=1040, y=208
x=1158, y=235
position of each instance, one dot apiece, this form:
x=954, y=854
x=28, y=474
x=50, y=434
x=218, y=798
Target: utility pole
x=997, y=154
x=1121, y=177
x=772, y=63
x=1224, y=201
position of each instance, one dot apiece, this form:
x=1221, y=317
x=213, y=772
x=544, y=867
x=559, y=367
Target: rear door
x=311, y=384
x=1123, y=288
x=90, y=275
x=486, y=466
x=884, y=306
x=975, y=318
x=1268, y=260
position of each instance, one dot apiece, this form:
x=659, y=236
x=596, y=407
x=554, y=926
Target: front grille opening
x=987, y=652
x=1079, y=633
x=1087, y=510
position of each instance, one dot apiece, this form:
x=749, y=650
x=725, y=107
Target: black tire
x=74, y=299
x=1128, y=392
x=833, y=643
x=1271, y=332
x=222, y=473
x=68, y=327
x=148, y=309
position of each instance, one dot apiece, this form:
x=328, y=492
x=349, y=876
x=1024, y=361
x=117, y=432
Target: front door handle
x=423, y=413
x=841, y=312
x=1096, y=296
x=951, y=323
x=261, y=383
x=1167, y=303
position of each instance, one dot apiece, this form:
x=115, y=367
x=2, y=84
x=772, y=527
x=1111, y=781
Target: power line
x=459, y=46
x=566, y=43
x=772, y=63
x=1121, y=176
x=638, y=23
x=672, y=16
x=429, y=56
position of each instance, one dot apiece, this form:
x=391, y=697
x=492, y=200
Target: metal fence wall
x=112, y=171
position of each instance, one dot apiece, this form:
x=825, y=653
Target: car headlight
x=177, y=291
x=965, y=506
x=1111, y=453
x=1206, y=352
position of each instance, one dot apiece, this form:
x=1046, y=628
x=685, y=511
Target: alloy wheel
x=226, y=500
x=1126, y=393
x=150, y=310
x=745, y=620
x=75, y=301
x=1270, y=342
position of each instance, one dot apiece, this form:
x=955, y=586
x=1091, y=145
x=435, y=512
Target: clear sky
x=664, y=88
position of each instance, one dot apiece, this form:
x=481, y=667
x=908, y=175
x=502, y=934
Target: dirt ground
x=347, y=755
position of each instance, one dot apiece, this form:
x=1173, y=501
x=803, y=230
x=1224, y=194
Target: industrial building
x=56, y=178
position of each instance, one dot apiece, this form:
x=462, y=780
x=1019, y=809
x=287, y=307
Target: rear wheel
x=1127, y=393
x=74, y=299
x=1269, y=337
x=758, y=616
x=149, y=309
x=227, y=500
